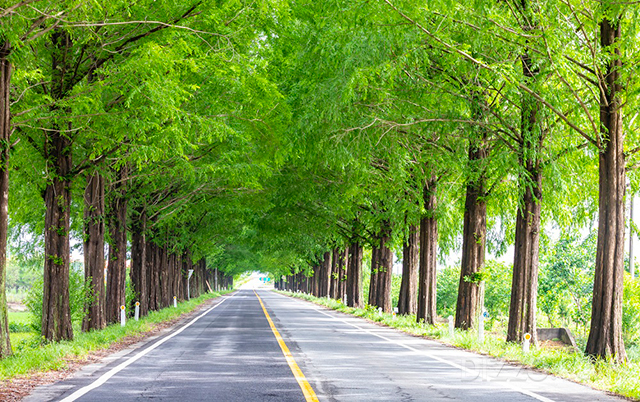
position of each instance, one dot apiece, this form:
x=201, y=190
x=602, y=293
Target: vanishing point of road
x=262, y=346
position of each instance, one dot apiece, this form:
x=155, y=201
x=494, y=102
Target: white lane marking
x=429, y=355
x=103, y=378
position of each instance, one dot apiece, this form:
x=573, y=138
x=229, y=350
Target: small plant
x=79, y=294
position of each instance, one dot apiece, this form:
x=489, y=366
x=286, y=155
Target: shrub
x=79, y=293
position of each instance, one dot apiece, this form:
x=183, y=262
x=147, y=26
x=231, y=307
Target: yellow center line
x=309, y=394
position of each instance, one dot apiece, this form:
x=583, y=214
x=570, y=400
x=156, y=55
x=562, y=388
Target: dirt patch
x=16, y=307
x=19, y=387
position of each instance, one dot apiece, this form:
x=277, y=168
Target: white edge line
x=103, y=378
x=429, y=355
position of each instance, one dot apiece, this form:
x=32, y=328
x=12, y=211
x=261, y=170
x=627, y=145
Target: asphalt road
x=230, y=353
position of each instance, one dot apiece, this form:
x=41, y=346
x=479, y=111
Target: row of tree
x=455, y=128
x=267, y=135
x=131, y=125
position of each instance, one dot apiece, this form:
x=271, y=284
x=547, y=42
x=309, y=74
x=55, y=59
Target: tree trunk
x=325, y=277
x=407, y=299
x=335, y=276
x=470, y=289
x=605, y=336
x=524, y=284
x=94, y=308
x=163, y=265
x=56, y=311
x=117, y=272
x=152, y=276
x=5, y=134
x=342, y=272
x=373, y=277
x=354, y=276
x=385, y=273
x=428, y=256
x=138, y=270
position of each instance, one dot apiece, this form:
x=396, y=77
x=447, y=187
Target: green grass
x=623, y=379
x=22, y=317
x=31, y=356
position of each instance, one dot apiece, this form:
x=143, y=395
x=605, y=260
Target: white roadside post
x=525, y=342
x=175, y=301
x=450, y=318
x=344, y=299
x=123, y=318
x=481, y=327
x=188, y=291
x=395, y=312
x=137, y=311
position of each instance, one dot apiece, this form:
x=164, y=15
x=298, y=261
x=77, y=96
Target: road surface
x=231, y=353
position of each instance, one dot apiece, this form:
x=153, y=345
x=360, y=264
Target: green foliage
x=631, y=312
x=79, y=294
x=566, y=281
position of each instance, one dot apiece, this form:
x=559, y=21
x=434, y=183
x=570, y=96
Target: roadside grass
x=31, y=355
x=622, y=379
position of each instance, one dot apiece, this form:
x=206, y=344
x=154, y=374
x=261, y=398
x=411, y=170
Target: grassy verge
x=620, y=379
x=31, y=356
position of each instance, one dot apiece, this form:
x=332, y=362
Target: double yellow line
x=309, y=394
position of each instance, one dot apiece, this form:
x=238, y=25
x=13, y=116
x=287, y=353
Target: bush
x=79, y=293
x=631, y=312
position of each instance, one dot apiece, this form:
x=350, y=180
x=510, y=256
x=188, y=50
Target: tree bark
x=354, y=276
x=138, y=270
x=524, y=285
x=335, y=276
x=605, y=335
x=373, y=276
x=407, y=299
x=56, y=311
x=470, y=289
x=428, y=256
x=117, y=272
x=163, y=265
x=385, y=272
x=325, y=275
x=5, y=134
x=94, y=318
x=152, y=276
x=342, y=272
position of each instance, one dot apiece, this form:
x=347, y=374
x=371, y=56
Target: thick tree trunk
x=325, y=275
x=605, y=335
x=354, y=276
x=117, y=271
x=5, y=133
x=94, y=318
x=56, y=311
x=524, y=285
x=385, y=273
x=163, y=264
x=155, y=262
x=373, y=276
x=408, y=298
x=428, y=256
x=335, y=275
x=342, y=272
x=470, y=289
x=138, y=270
x=316, y=281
